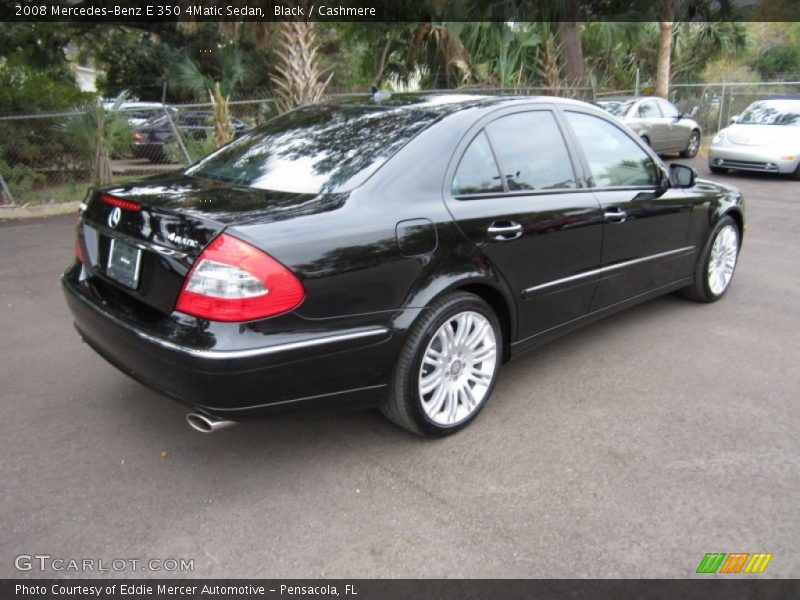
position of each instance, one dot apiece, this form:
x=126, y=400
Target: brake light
x=126, y=204
x=138, y=137
x=78, y=251
x=234, y=281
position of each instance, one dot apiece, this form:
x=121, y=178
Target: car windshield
x=315, y=149
x=771, y=112
x=618, y=108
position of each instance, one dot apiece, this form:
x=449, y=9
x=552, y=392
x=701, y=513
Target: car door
x=677, y=135
x=646, y=222
x=648, y=122
x=535, y=224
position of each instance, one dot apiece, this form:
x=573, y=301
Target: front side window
x=477, y=172
x=532, y=151
x=615, y=160
x=648, y=110
x=668, y=109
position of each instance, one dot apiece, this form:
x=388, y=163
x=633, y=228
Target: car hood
x=761, y=135
x=222, y=202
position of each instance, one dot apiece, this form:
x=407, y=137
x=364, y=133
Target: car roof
x=627, y=98
x=449, y=103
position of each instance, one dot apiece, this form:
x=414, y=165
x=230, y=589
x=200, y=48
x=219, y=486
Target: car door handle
x=615, y=215
x=502, y=231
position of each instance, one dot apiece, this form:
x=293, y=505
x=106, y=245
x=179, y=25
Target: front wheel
x=692, y=146
x=716, y=266
x=447, y=368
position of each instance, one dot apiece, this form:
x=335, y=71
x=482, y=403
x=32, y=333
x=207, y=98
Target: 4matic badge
x=182, y=240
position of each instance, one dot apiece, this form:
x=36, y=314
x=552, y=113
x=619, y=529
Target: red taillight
x=78, y=251
x=126, y=204
x=234, y=281
x=138, y=137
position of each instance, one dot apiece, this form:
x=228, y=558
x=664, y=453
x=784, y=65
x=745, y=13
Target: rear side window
x=477, y=172
x=532, y=151
x=615, y=160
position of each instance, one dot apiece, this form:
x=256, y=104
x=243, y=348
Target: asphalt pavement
x=627, y=449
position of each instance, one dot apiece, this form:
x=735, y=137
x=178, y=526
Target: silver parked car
x=659, y=123
x=765, y=137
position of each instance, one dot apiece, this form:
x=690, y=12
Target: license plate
x=124, y=261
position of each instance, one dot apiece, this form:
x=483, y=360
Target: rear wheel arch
x=500, y=306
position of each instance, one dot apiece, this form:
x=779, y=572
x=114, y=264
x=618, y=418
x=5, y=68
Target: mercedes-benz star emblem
x=114, y=217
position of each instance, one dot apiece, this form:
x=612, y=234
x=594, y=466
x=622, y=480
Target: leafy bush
x=19, y=178
x=196, y=147
x=779, y=61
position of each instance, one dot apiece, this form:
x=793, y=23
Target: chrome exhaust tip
x=206, y=423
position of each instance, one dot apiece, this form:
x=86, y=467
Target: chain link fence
x=44, y=160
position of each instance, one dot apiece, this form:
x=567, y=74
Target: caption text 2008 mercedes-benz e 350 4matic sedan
x=390, y=254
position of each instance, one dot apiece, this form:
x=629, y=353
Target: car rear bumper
x=763, y=160
x=222, y=373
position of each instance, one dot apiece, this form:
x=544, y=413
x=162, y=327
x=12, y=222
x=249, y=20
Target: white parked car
x=765, y=137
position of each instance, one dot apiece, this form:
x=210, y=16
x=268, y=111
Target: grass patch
x=67, y=192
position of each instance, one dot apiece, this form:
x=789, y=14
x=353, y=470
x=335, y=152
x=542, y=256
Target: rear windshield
x=771, y=112
x=315, y=149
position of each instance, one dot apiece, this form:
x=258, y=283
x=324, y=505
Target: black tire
x=403, y=406
x=796, y=173
x=717, y=170
x=691, y=148
x=700, y=290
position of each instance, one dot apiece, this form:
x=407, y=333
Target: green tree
x=101, y=132
x=782, y=60
x=232, y=73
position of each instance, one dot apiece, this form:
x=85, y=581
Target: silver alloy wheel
x=723, y=259
x=694, y=144
x=457, y=368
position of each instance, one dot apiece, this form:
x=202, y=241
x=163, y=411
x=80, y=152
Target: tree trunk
x=569, y=38
x=667, y=16
x=376, y=81
x=101, y=169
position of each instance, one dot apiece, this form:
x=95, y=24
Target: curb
x=38, y=210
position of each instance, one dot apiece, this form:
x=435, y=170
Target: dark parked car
x=659, y=123
x=390, y=255
x=150, y=138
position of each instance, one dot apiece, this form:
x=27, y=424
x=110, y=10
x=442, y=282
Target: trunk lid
x=142, y=238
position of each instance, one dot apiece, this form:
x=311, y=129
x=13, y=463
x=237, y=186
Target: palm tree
x=666, y=15
x=437, y=50
x=298, y=77
x=101, y=132
x=569, y=38
x=233, y=73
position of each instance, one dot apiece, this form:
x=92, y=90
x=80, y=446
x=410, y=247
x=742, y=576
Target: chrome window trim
x=607, y=269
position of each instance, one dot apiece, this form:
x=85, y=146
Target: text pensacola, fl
x=142, y=590
x=148, y=10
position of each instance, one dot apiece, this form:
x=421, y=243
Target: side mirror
x=733, y=119
x=681, y=176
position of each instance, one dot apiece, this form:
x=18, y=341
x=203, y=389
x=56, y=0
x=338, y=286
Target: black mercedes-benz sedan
x=391, y=254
